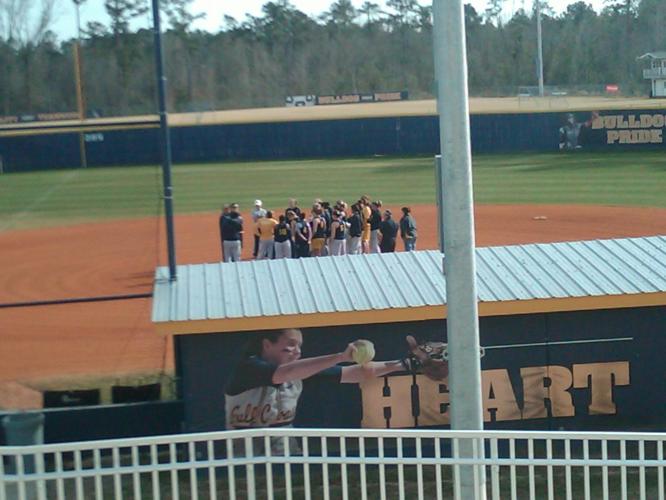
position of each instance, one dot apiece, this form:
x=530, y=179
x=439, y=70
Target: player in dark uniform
x=389, y=232
x=338, y=234
x=302, y=236
x=232, y=234
x=222, y=221
x=375, y=220
x=327, y=213
x=282, y=239
x=408, y=229
x=267, y=383
x=355, y=230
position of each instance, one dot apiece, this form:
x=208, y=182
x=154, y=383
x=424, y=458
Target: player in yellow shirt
x=366, y=211
x=265, y=226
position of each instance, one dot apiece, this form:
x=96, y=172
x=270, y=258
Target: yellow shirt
x=265, y=228
x=365, y=213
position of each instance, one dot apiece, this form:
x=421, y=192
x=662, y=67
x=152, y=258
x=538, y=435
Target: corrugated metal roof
x=267, y=288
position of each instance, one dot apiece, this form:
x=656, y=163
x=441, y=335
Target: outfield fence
x=340, y=463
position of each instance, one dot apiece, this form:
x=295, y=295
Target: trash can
x=23, y=429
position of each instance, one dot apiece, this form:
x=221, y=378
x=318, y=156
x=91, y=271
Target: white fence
x=342, y=463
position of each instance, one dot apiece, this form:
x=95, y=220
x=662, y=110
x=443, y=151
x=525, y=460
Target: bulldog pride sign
x=644, y=128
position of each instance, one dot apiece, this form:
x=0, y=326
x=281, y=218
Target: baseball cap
x=234, y=205
x=257, y=203
x=388, y=212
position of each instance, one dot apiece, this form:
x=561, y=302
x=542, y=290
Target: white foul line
x=561, y=342
x=38, y=201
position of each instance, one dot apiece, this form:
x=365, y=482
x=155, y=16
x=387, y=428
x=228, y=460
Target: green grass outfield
x=69, y=196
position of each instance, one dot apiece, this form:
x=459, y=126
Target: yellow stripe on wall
x=517, y=307
x=74, y=130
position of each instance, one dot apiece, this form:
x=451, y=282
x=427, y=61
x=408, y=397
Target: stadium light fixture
x=539, y=47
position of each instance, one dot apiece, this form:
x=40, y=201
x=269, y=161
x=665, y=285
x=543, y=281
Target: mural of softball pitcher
x=268, y=381
x=570, y=131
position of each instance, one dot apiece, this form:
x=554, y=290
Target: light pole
x=165, y=140
x=80, y=102
x=539, y=48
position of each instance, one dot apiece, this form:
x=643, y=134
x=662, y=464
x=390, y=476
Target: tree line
x=259, y=60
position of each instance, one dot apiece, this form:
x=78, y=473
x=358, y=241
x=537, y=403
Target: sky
x=93, y=10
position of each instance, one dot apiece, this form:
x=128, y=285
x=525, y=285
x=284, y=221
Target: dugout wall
x=573, y=332
x=577, y=370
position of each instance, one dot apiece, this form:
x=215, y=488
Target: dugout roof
x=408, y=286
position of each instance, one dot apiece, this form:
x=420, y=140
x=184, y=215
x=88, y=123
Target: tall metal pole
x=539, y=47
x=165, y=140
x=78, y=76
x=80, y=103
x=458, y=219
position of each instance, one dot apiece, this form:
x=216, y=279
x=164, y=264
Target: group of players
x=328, y=230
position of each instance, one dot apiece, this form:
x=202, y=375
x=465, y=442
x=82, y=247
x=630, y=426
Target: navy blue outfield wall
x=570, y=370
x=407, y=135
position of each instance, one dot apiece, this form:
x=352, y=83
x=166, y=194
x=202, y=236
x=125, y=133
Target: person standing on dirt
x=355, y=230
x=375, y=221
x=223, y=217
x=232, y=235
x=389, y=232
x=318, y=230
x=364, y=203
x=265, y=228
x=257, y=214
x=302, y=237
x=282, y=239
x=338, y=234
x=408, y=229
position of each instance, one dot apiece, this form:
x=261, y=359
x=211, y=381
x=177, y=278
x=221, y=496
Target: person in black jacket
x=232, y=234
x=408, y=229
x=389, y=233
x=282, y=239
x=223, y=217
x=355, y=230
x=375, y=220
x=302, y=237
